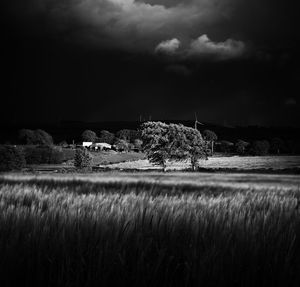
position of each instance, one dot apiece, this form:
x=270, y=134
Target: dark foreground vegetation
x=16, y=157
x=76, y=233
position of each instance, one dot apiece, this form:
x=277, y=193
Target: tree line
x=275, y=146
x=127, y=139
x=159, y=141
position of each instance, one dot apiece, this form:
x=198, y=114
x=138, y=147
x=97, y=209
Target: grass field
x=103, y=158
x=149, y=229
x=215, y=163
x=112, y=157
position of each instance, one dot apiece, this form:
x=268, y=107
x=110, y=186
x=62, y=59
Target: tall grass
x=62, y=235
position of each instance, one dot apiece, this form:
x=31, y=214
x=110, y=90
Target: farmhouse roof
x=87, y=143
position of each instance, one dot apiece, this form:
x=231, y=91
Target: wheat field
x=87, y=231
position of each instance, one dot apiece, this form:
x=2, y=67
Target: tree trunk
x=193, y=164
x=212, y=148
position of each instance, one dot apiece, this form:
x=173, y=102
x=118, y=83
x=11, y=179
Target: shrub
x=241, y=146
x=122, y=145
x=11, y=158
x=43, y=155
x=260, y=148
x=83, y=159
x=138, y=144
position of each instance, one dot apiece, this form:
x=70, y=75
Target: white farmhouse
x=101, y=146
x=87, y=144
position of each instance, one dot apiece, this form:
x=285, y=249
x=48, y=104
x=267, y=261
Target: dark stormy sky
x=231, y=61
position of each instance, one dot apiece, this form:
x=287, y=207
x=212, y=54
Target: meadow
x=246, y=163
x=111, y=157
x=149, y=229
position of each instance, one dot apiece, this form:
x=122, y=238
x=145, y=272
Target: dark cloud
x=127, y=24
x=102, y=59
x=141, y=25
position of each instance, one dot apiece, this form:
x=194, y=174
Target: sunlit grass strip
x=155, y=184
x=51, y=235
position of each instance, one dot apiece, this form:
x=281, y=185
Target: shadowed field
x=149, y=229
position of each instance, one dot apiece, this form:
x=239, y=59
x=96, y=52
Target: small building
x=97, y=146
x=101, y=146
x=87, y=144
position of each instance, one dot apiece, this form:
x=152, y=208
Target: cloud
x=168, y=46
x=121, y=24
x=125, y=24
x=134, y=25
x=203, y=46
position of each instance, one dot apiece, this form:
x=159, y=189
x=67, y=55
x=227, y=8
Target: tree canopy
x=89, y=136
x=164, y=142
x=106, y=137
x=35, y=137
x=210, y=135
